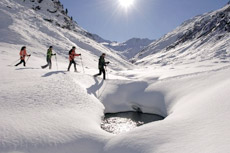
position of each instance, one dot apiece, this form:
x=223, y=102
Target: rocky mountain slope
x=204, y=37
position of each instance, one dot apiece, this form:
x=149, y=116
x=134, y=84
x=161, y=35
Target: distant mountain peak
x=129, y=48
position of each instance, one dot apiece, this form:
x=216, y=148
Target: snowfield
x=55, y=111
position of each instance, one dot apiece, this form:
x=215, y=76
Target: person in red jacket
x=72, y=55
x=23, y=55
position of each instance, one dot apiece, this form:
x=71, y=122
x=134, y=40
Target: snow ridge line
x=196, y=73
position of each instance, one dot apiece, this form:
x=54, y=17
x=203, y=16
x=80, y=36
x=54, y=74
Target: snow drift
x=55, y=111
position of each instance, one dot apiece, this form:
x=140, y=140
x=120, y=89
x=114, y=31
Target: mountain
x=41, y=23
x=59, y=111
x=129, y=48
x=204, y=37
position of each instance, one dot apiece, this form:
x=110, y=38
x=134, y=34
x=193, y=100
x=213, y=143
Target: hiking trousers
x=49, y=63
x=22, y=61
x=70, y=63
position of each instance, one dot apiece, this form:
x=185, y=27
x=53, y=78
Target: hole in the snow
x=117, y=123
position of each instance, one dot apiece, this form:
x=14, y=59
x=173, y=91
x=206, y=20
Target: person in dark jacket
x=101, y=66
x=72, y=55
x=48, y=58
x=23, y=55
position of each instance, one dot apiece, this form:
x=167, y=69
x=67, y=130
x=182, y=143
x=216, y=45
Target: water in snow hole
x=117, y=123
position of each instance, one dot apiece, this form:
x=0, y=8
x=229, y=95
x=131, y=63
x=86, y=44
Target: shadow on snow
x=26, y=68
x=94, y=89
x=54, y=72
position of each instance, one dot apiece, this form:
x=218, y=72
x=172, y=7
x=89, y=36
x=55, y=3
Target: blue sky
x=144, y=19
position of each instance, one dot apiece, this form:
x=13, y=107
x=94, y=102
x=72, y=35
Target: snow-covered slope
x=43, y=111
x=204, y=37
x=39, y=24
x=55, y=111
x=129, y=48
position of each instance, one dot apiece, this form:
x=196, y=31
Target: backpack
x=70, y=51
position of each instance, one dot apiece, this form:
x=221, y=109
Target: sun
x=126, y=3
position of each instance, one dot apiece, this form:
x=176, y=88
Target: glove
x=79, y=54
x=29, y=55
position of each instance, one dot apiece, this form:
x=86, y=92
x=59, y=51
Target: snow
x=55, y=111
x=204, y=37
x=129, y=48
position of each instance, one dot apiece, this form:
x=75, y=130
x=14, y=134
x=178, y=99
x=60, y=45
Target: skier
x=48, y=58
x=72, y=55
x=101, y=66
x=23, y=54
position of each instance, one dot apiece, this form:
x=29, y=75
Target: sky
x=143, y=19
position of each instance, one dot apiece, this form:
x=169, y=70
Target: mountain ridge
x=192, y=39
x=127, y=49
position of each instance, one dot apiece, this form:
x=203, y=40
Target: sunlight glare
x=126, y=3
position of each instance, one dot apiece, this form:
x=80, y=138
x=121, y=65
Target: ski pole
x=28, y=58
x=82, y=65
x=14, y=62
x=56, y=61
x=106, y=72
